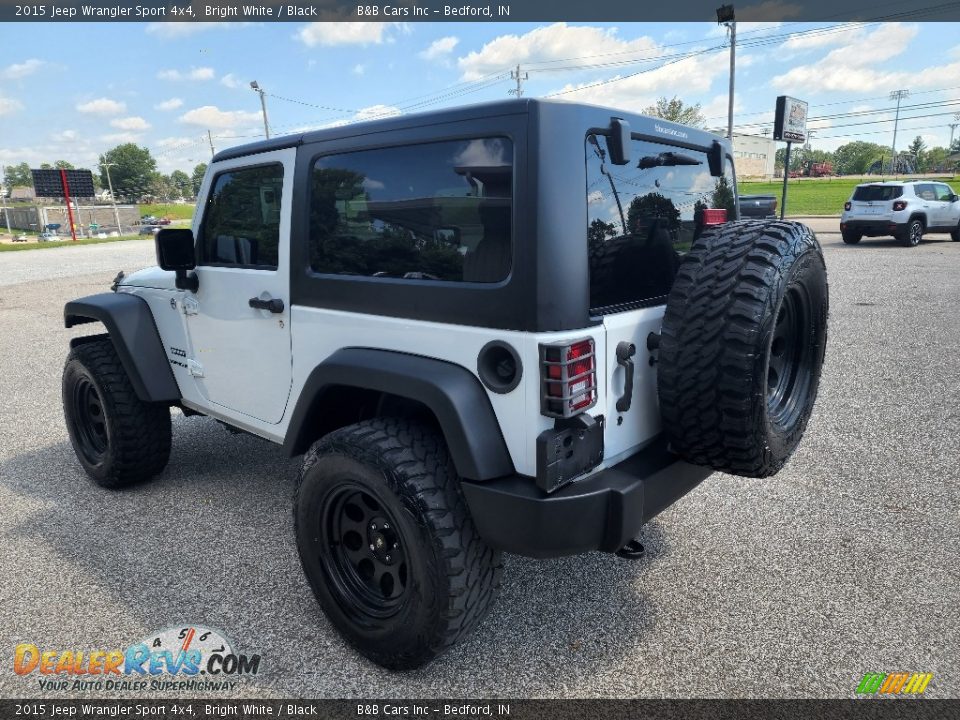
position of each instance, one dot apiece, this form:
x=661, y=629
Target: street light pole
x=113, y=198
x=897, y=95
x=263, y=105
x=726, y=17
x=3, y=196
x=953, y=126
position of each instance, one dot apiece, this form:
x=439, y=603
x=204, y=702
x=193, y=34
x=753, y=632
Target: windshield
x=875, y=193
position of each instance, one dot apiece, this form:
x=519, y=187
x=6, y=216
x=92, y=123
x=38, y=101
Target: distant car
x=148, y=220
x=162, y=221
x=48, y=237
x=149, y=229
x=903, y=209
x=758, y=206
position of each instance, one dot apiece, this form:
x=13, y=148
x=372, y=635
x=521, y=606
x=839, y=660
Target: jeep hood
x=151, y=277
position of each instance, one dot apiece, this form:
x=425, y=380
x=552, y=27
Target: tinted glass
x=434, y=211
x=643, y=219
x=241, y=220
x=877, y=193
x=925, y=191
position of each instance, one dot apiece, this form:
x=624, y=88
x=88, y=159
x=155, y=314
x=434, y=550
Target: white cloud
x=548, y=43
x=102, y=106
x=826, y=38
x=230, y=80
x=9, y=105
x=440, y=48
x=21, y=70
x=855, y=66
x=374, y=112
x=130, y=123
x=210, y=116
x=344, y=33
x=169, y=142
x=65, y=136
x=694, y=75
x=173, y=30
x=123, y=137
x=197, y=73
x=171, y=104
x=359, y=69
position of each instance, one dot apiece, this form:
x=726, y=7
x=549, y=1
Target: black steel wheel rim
x=790, y=359
x=916, y=231
x=89, y=421
x=363, y=553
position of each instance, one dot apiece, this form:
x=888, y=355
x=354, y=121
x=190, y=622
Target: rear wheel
x=387, y=543
x=913, y=234
x=851, y=238
x=118, y=438
x=742, y=346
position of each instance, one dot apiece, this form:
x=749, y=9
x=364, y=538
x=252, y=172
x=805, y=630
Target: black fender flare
x=452, y=393
x=134, y=333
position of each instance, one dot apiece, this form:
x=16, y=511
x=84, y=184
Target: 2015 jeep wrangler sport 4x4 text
x=524, y=326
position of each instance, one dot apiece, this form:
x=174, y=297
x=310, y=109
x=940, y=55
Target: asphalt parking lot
x=846, y=562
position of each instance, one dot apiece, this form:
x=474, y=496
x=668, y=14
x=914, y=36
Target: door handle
x=625, y=351
x=274, y=305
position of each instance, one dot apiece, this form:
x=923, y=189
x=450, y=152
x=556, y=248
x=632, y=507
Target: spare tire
x=742, y=346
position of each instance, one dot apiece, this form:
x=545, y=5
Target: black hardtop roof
x=593, y=114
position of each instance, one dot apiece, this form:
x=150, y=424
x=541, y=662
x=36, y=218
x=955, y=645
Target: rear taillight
x=714, y=216
x=847, y=205
x=568, y=378
x=899, y=205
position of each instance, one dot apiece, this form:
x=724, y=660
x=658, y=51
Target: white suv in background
x=905, y=209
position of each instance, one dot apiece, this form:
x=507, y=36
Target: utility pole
x=210, y=140
x=897, y=95
x=113, y=198
x=3, y=196
x=519, y=77
x=727, y=18
x=953, y=126
x=263, y=105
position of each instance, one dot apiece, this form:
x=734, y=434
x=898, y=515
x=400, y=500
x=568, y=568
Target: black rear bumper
x=601, y=512
x=873, y=228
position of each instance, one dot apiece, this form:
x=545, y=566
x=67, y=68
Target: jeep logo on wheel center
x=525, y=326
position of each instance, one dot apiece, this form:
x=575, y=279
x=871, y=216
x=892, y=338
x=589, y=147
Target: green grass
x=170, y=210
x=13, y=247
x=812, y=196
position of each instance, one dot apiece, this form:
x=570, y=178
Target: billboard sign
x=790, y=123
x=47, y=183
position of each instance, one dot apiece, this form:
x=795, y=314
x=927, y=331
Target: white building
x=754, y=156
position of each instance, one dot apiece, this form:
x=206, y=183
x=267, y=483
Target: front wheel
x=387, y=543
x=955, y=235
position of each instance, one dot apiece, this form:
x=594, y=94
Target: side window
x=432, y=211
x=925, y=191
x=944, y=193
x=241, y=219
x=642, y=217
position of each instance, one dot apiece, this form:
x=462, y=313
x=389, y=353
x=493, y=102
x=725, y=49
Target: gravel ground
x=846, y=562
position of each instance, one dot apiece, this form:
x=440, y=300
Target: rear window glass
x=874, y=193
x=642, y=217
x=432, y=211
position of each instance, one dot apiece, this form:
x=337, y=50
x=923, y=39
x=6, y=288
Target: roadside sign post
x=56, y=183
x=790, y=126
x=66, y=198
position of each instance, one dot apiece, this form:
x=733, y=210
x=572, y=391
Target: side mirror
x=954, y=197
x=618, y=141
x=715, y=159
x=175, y=251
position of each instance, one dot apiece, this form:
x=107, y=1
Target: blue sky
x=72, y=91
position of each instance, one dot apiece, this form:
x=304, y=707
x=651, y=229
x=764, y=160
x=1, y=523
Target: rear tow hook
x=633, y=550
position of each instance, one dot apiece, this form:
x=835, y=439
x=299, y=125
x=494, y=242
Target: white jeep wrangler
x=523, y=326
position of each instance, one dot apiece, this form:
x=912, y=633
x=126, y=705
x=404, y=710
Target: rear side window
x=877, y=193
x=432, y=211
x=241, y=220
x=641, y=220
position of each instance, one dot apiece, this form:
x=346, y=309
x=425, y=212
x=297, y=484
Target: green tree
x=936, y=159
x=723, y=196
x=63, y=165
x=181, y=183
x=650, y=206
x=46, y=166
x=675, y=110
x=18, y=176
x=855, y=158
x=133, y=171
x=918, y=149
x=197, y=178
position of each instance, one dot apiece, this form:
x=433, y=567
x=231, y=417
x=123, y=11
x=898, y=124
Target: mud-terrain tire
x=742, y=346
x=382, y=499
x=118, y=438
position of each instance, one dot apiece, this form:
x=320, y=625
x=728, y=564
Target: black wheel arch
x=451, y=394
x=134, y=334
x=918, y=216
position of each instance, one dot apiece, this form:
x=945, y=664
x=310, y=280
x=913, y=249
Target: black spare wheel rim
x=363, y=553
x=89, y=421
x=790, y=359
